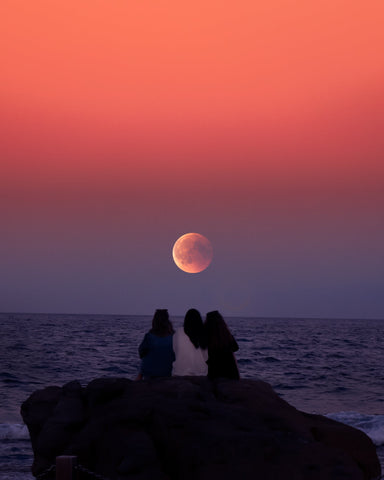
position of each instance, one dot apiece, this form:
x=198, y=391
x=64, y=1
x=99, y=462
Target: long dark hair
x=194, y=328
x=161, y=325
x=217, y=333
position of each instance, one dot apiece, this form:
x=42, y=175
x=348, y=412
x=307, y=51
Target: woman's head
x=193, y=327
x=216, y=330
x=161, y=325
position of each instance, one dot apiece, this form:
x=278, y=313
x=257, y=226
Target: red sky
x=260, y=125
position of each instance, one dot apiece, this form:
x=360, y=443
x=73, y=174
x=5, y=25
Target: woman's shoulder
x=179, y=332
x=179, y=335
x=150, y=337
x=161, y=338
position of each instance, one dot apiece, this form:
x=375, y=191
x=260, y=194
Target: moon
x=192, y=252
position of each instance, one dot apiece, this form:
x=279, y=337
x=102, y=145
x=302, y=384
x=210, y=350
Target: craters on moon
x=192, y=252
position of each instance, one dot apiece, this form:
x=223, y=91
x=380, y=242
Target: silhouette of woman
x=156, y=349
x=221, y=348
x=190, y=347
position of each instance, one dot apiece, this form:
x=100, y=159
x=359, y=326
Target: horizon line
x=257, y=317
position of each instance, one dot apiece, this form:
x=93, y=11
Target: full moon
x=192, y=252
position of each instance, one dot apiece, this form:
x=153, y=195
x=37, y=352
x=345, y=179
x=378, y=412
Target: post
x=65, y=467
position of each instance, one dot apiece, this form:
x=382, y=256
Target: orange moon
x=192, y=252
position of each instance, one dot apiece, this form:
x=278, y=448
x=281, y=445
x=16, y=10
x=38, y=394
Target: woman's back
x=221, y=348
x=157, y=355
x=189, y=359
x=222, y=363
x=156, y=351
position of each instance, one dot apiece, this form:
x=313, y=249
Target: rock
x=192, y=428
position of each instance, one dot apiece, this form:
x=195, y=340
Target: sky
x=126, y=124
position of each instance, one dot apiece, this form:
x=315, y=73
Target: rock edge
x=192, y=428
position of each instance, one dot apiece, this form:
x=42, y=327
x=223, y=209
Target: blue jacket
x=157, y=355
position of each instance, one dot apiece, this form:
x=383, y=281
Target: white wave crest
x=15, y=431
x=372, y=425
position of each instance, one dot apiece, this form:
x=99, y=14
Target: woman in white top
x=190, y=347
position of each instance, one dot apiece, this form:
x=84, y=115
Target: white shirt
x=189, y=359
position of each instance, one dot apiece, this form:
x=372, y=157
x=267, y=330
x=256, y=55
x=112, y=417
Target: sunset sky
x=259, y=124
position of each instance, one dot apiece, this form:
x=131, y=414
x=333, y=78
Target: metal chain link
x=85, y=470
x=46, y=472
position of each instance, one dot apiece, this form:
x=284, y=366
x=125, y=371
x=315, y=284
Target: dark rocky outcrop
x=191, y=428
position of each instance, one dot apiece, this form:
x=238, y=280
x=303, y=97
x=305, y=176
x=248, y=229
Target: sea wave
x=13, y=431
x=371, y=425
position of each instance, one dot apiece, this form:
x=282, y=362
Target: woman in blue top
x=156, y=349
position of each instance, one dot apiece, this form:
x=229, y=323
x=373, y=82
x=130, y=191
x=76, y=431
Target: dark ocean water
x=331, y=367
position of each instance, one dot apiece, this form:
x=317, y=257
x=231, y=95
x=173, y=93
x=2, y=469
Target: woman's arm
x=144, y=346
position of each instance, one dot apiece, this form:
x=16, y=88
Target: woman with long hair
x=156, y=351
x=190, y=347
x=221, y=347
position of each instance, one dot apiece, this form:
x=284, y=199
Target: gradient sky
x=125, y=124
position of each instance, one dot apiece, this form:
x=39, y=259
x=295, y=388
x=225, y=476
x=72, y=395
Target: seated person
x=156, y=349
x=190, y=347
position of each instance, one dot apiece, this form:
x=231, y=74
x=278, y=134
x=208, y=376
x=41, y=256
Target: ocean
x=328, y=366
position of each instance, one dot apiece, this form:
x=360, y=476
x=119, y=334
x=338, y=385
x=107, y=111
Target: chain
x=82, y=469
x=46, y=472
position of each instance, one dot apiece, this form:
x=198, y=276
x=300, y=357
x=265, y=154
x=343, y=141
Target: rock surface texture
x=191, y=428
